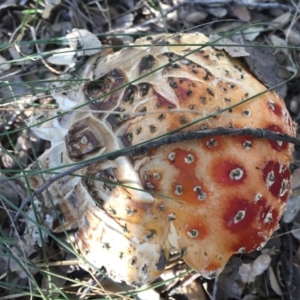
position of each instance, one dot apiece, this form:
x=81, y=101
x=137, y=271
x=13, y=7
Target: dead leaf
x=196, y=17
x=281, y=20
x=49, y=5
x=14, y=53
x=18, y=55
x=11, y=190
x=296, y=180
x=84, y=40
x=123, y=22
x=295, y=230
x=194, y=291
x=249, y=272
x=8, y=3
x=4, y=64
x=273, y=282
x=294, y=38
x=241, y=12
x=250, y=297
x=18, y=262
x=292, y=209
x=280, y=43
x=63, y=56
x=218, y=12
x=262, y=63
x=233, y=51
x=148, y=294
x=229, y=285
x=251, y=33
x=61, y=28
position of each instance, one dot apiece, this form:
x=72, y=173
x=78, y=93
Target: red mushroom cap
x=208, y=198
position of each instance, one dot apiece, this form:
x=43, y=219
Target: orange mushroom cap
x=207, y=198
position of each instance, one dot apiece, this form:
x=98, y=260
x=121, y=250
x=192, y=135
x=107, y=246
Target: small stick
x=169, y=139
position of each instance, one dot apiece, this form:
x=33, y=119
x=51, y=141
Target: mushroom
x=208, y=198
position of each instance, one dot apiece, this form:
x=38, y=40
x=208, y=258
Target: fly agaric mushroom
x=207, y=198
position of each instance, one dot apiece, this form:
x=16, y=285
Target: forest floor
x=30, y=32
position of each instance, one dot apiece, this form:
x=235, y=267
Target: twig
x=170, y=139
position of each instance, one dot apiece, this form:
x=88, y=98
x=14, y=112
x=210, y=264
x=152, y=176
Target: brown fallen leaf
x=241, y=12
x=194, y=291
x=262, y=63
